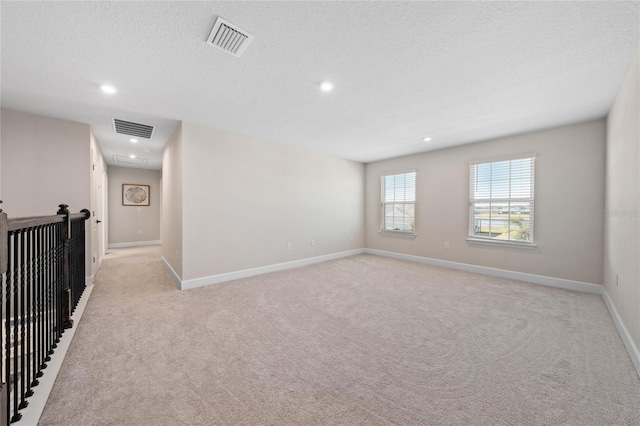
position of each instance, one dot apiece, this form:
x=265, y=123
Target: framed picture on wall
x=135, y=195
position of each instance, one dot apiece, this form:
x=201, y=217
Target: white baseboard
x=494, y=272
x=88, y=280
x=172, y=272
x=632, y=348
x=134, y=244
x=31, y=414
x=229, y=276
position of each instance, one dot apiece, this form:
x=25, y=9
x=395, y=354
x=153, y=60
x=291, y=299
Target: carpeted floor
x=361, y=340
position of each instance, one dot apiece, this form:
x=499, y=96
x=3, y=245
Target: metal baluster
x=29, y=313
x=23, y=353
x=58, y=288
x=74, y=282
x=59, y=283
x=38, y=308
x=47, y=291
x=54, y=290
x=15, y=287
x=43, y=307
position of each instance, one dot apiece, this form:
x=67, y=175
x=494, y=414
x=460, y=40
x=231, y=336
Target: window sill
x=501, y=243
x=400, y=234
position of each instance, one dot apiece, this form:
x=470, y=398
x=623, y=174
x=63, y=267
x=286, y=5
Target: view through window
x=501, y=196
x=398, y=210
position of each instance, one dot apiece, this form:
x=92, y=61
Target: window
x=501, y=200
x=398, y=207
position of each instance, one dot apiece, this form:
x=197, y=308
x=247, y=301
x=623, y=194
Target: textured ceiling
x=459, y=72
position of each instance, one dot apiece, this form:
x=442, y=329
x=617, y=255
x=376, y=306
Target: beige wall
x=171, y=222
x=133, y=224
x=244, y=199
x=622, y=221
x=45, y=162
x=568, y=210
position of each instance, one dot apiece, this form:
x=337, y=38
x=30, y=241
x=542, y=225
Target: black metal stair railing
x=42, y=272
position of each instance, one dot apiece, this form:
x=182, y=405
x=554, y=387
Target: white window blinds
x=398, y=193
x=501, y=199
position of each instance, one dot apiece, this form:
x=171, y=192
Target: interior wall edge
x=134, y=244
x=246, y=273
x=495, y=272
x=172, y=272
x=629, y=344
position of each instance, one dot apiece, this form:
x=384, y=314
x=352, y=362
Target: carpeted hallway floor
x=361, y=340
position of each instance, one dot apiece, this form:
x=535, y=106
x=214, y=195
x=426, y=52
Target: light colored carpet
x=361, y=340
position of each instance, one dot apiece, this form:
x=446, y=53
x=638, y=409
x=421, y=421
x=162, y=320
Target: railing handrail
x=42, y=272
x=31, y=222
x=19, y=223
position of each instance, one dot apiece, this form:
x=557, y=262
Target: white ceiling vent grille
x=133, y=129
x=229, y=38
x=123, y=159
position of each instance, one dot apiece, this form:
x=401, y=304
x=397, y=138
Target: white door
x=103, y=216
x=96, y=198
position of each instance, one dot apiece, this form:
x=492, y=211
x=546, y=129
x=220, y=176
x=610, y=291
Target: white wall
x=172, y=202
x=622, y=218
x=133, y=224
x=244, y=199
x=45, y=162
x=569, y=185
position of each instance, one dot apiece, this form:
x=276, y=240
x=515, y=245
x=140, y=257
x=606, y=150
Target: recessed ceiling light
x=132, y=156
x=108, y=89
x=426, y=139
x=326, y=86
x=133, y=140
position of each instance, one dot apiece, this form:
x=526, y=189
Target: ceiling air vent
x=132, y=129
x=229, y=38
x=123, y=159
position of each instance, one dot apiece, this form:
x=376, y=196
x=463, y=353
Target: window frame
x=490, y=201
x=383, y=203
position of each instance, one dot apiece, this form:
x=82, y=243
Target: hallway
x=110, y=367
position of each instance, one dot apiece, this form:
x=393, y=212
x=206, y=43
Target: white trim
x=400, y=234
x=501, y=243
x=506, y=157
x=229, y=276
x=134, y=244
x=172, y=272
x=494, y=272
x=401, y=172
x=32, y=412
x=88, y=280
x=632, y=349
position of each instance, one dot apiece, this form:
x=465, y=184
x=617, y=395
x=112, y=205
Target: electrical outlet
x=351, y=237
x=288, y=246
x=313, y=243
x=447, y=246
